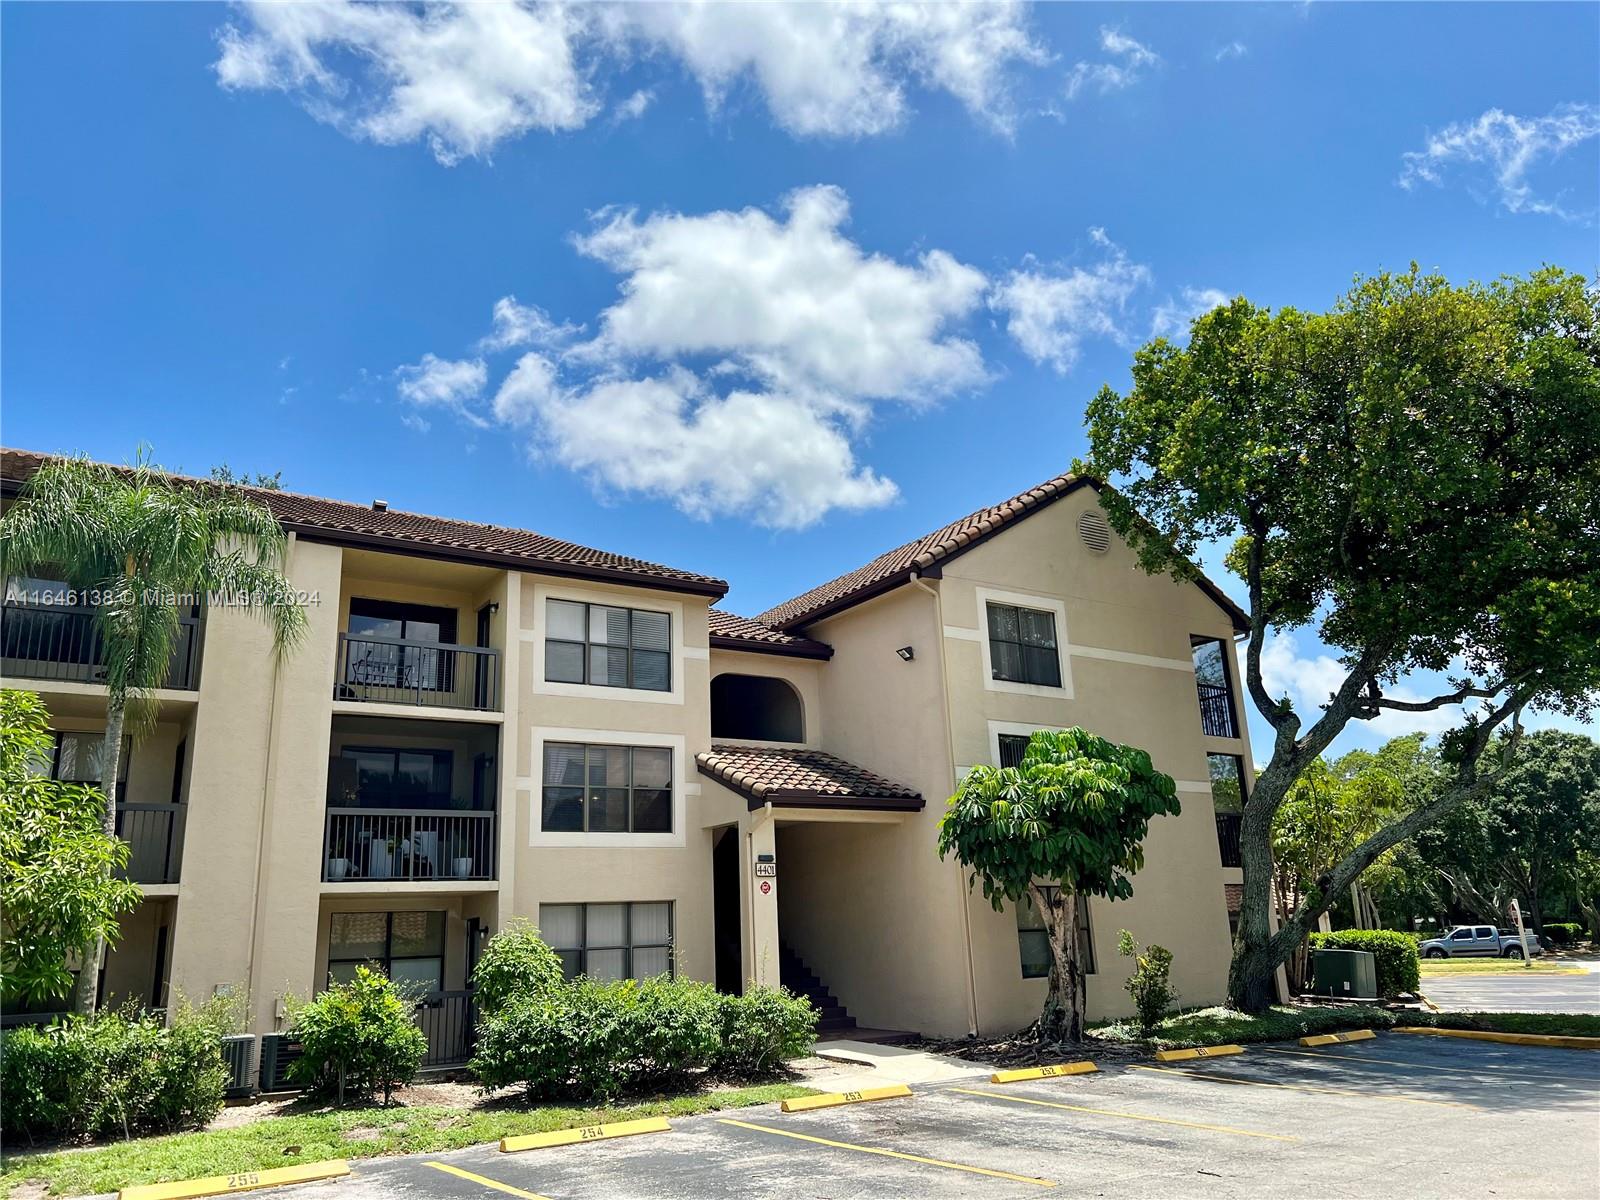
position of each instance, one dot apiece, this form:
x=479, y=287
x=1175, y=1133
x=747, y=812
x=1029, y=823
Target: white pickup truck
x=1482, y=941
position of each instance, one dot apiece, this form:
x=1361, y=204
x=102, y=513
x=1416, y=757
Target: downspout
x=269, y=776
x=950, y=749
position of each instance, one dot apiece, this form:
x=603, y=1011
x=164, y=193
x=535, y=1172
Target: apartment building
x=486, y=723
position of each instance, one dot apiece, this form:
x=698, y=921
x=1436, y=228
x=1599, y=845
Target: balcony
x=63, y=644
x=1228, y=838
x=407, y=845
x=410, y=801
x=386, y=670
x=1216, y=711
x=154, y=833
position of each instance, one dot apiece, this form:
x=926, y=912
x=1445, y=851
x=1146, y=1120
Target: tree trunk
x=1250, y=974
x=84, y=994
x=1062, y=1019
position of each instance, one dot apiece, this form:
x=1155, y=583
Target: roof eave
x=817, y=650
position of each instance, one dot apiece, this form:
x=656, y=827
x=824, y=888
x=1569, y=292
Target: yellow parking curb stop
x=1511, y=1039
x=830, y=1099
x=1197, y=1052
x=1050, y=1072
x=1334, y=1039
x=241, y=1181
x=583, y=1133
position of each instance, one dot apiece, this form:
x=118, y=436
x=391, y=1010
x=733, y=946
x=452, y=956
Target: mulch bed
x=1025, y=1050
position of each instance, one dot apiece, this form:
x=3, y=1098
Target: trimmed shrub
x=359, y=1038
x=762, y=1028
x=115, y=1073
x=1563, y=933
x=588, y=1040
x=516, y=962
x=1150, y=985
x=1395, y=955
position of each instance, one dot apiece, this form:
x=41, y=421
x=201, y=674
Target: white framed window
x=606, y=788
x=606, y=645
x=1024, y=643
x=610, y=941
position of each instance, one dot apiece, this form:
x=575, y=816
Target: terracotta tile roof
x=894, y=568
x=1233, y=896
x=359, y=525
x=802, y=779
x=730, y=632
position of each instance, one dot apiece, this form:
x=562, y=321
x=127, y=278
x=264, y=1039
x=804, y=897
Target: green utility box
x=1347, y=974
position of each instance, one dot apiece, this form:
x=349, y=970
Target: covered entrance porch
x=789, y=903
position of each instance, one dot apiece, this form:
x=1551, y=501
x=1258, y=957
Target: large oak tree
x=1415, y=474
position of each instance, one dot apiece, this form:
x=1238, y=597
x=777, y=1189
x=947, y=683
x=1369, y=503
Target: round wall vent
x=1094, y=531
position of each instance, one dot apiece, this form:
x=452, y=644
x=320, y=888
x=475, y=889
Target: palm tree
x=137, y=542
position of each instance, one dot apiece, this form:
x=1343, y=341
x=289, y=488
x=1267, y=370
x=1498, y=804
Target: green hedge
x=112, y=1074
x=590, y=1040
x=1563, y=933
x=1399, y=969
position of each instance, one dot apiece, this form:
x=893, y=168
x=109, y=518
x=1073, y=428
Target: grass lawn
x=1217, y=1026
x=342, y=1133
x=1444, y=968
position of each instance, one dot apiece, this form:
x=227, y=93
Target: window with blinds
x=607, y=646
x=606, y=789
x=610, y=941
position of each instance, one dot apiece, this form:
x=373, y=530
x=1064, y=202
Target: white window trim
x=606, y=841
x=996, y=728
x=1063, y=650
x=544, y=592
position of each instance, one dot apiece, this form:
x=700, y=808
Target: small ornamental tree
x=1068, y=823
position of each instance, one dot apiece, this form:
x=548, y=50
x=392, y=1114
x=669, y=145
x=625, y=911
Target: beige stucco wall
x=871, y=908
x=609, y=868
x=1127, y=665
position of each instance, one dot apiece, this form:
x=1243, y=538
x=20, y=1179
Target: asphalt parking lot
x=1516, y=991
x=1402, y=1115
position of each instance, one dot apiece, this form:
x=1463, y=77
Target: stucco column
x=761, y=967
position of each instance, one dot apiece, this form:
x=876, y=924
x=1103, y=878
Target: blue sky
x=790, y=286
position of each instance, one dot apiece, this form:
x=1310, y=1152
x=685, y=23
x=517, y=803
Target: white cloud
x=1172, y=317
x=1505, y=149
x=524, y=325
x=465, y=77
x=769, y=458
x=633, y=107
x=1130, y=59
x=1049, y=316
x=793, y=303
x=1232, y=50
x=436, y=382
x=528, y=391
x=838, y=69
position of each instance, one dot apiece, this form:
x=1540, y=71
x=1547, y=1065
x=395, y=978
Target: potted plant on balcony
x=338, y=865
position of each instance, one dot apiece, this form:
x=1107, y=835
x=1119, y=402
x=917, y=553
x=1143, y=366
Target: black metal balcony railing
x=365, y=844
x=38, y=642
x=154, y=833
x=447, y=1020
x=1216, y=711
x=431, y=674
x=1228, y=838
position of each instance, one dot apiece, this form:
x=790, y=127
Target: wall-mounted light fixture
x=906, y=653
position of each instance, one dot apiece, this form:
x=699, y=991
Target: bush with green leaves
x=1150, y=985
x=358, y=1038
x=1563, y=933
x=111, y=1074
x=516, y=962
x=1394, y=954
x=762, y=1028
x=590, y=1040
